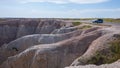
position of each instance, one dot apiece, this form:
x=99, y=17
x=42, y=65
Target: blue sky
x=60, y=8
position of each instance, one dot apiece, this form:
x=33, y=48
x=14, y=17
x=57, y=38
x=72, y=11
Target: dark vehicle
x=98, y=21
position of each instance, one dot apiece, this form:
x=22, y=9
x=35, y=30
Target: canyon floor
x=58, y=43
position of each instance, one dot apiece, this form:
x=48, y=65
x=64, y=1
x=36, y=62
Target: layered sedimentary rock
x=13, y=29
x=25, y=42
x=64, y=30
x=103, y=44
x=103, y=51
x=99, y=45
x=63, y=53
x=54, y=43
x=112, y=65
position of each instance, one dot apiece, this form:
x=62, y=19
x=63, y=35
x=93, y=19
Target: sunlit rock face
x=57, y=55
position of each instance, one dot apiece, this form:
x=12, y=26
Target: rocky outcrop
x=46, y=27
x=7, y=33
x=54, y=43
x=99, y=48
x=25, y=42
x=112, y=65
x=42, y=56
x=64, y=30
x=15, y=28
x=22, y=31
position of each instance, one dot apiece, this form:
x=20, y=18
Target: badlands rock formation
x=63, y=53
x=100, y=45
x=13, y=29
x=112, y=65
x=54, y=43
x=20, y=44
x=103, y=50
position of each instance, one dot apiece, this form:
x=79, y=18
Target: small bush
x=76, y=23
x=115, y=46
x=85, y=27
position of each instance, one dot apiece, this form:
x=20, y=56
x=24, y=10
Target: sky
x=60, y=8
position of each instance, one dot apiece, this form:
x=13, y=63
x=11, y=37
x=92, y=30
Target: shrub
x=76, y=23
x=85, y=27
x=112, y=56
x=115, y=46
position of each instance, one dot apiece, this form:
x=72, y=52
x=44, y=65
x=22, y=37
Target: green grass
x=85, y=27
x=110, y=57
x=76, y=23
x=112, y=20
x=115, y=46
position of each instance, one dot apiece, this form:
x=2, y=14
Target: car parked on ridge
x=98, y=21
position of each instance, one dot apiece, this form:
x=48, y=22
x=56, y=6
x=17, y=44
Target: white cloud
x=110, y=13
x=50, y=1
x=66, y=1
x=80, y=13
x=88, y=1
x=99, y=10
x=75, y=13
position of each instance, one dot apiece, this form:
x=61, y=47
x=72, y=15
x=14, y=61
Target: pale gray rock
x=112, y=65
x=25, y=42
x=46, y=27
x=12, y=29
x=100, y=45
x=42, y=56
x=21, y=31
x=7, y=33
x=64, y=30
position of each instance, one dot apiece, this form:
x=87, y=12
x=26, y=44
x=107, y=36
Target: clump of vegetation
x=115, y=46
x=112, y=56
x=112, y=20
x=108, y=19
x=76, y=23
x=85, y=27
